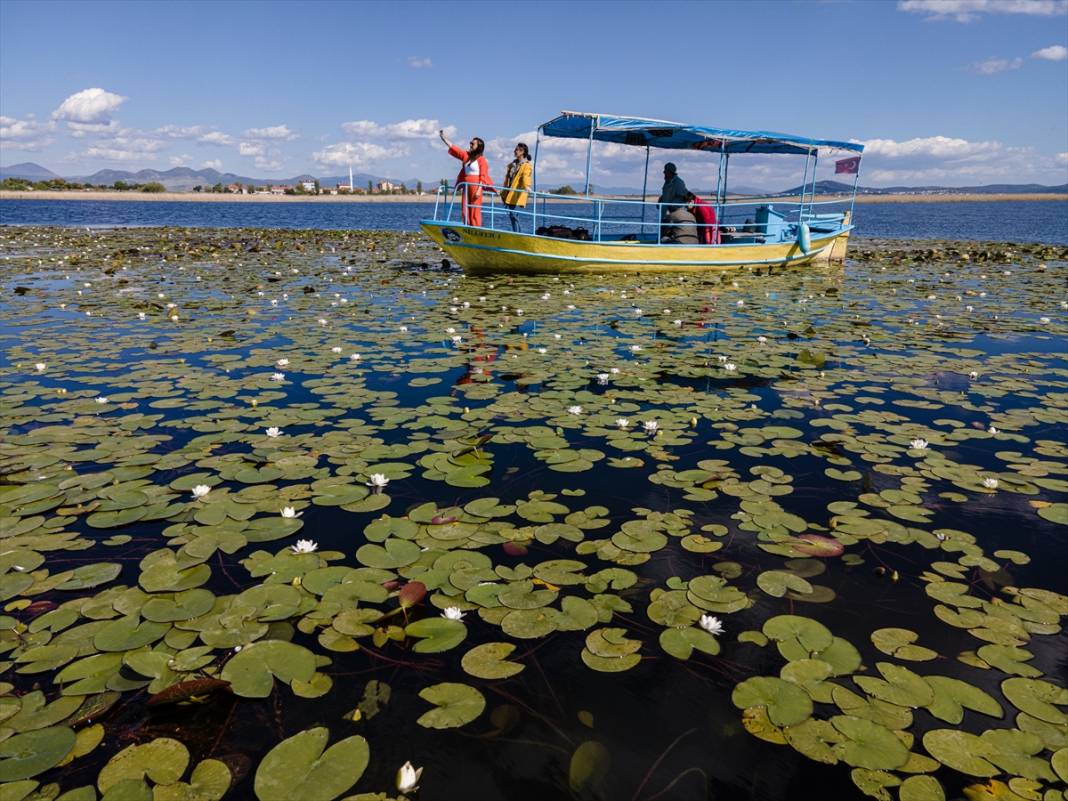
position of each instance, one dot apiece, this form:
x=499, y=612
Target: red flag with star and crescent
x=850, y=166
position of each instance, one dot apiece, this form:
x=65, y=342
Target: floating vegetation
x=287, y=514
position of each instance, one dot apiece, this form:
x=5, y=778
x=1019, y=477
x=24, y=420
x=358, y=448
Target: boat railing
x=599, y=218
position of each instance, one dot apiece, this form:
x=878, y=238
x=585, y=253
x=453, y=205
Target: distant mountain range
x=184, y=178
x=180, y=179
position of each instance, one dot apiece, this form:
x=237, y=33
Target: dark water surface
x=787, y=403
x=998, y=221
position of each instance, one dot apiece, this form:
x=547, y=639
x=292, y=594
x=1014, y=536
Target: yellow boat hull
x=481, y=250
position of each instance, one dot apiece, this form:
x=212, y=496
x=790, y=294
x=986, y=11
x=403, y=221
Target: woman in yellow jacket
x=517, y=183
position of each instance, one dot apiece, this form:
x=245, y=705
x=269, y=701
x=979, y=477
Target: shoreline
x=199, y=197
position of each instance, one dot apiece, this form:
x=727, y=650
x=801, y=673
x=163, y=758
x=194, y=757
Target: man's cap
x=670, y=167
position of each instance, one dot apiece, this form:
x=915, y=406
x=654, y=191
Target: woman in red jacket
x=474, y=173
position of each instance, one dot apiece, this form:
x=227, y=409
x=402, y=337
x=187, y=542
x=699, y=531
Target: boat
x=578, y=233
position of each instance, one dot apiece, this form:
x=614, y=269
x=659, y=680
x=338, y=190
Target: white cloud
x=211, y=164
x=27, y=134
x=1061, y=158
x=251, y=149
x=180, y=161
x=216, y=138
x=80, y=129
x=89, y=105
x=267, y=163
x=405, y=129
x=939, y=147
x=122, y=148
x=273, y=132
x=357, y=154
x=418, y=63
x=1052, y=53
x=180, y=132
x=992, y=66
x=969, y=10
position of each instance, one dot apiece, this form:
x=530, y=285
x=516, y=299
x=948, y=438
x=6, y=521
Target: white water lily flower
x=403, y=329
x=336, y=349
x=289, y=513
x=273, y=431
x=711, y=624
x=741, y=303
x=355, y=357
x=322, y=321
x=638, y=312
x=408, y=778
x=918, y=444
x=730, y=367
x=990, y=483
x=378, y=480
x=282, y=362
x=101, y=399
x=602, y=378
x=1044, y=320
x=278, y=376
x=762, y=340
x=452, y=613
x=200, y=490
x=650, y=426
x=974, y=374
x=992, y=430
x=141, y=315
x=635, y=348
x=721, y=359
x=676, y=322
x=543, y=350
x=450, y=330
x=274, y=302
x=546, y=296
x=574, y=410
x=304, y=546
x=456, y=339
x=622, y=422
x=519, y=312
x=614, y=370
x=40, y=366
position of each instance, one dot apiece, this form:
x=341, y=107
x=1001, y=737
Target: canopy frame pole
x=726, y=167
x=534, y=178
x=719, y=186
x=853, y=201
x=804, y=188
x=589, y=155
x=645, y=186
x=812, y=194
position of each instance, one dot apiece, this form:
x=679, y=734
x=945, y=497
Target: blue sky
x=953, y=92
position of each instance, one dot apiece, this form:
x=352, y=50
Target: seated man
x=706, y=219
x=681, y=228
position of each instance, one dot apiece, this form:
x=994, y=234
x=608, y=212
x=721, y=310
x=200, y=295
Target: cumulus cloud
x=27, y=134
x=216, y=138
x=992, y=66
x=357, y=154
x=969, y=10
x=211, y=164
x=251, y=149
x=1052, y=53
x=89, y=106
x=123, y=148
x=180, y=160
x=81, y=129
x=419, y=62
x=280, y=132
x=405, y=129
x=940, y=147
x=1061, y=158
x=180, y=132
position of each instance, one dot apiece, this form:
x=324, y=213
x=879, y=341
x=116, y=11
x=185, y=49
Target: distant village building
x=279, y=189
x=308, y=186
x=386, y=186
x=342, y=189
x=235, y=189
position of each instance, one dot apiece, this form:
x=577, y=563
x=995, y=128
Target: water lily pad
x=490, y=661
x=867, y=744
x=787, y=704
x=252, y=671
x=303, y=767
x=30, y=753
x=454, y=705
x=163, y=760
x=436, y=634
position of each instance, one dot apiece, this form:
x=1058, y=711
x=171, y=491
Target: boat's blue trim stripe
x=638, y=262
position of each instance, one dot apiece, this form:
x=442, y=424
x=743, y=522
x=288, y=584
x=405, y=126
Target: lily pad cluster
x=241, y=468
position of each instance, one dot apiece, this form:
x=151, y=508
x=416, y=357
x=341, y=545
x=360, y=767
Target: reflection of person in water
x=483, y=355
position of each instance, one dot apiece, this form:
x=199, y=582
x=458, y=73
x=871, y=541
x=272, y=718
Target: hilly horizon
x=185, y=178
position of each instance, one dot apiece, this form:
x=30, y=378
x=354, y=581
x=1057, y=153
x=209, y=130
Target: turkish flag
x=850, y=166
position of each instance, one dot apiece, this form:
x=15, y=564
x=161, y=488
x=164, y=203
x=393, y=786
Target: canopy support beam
x=645, y=185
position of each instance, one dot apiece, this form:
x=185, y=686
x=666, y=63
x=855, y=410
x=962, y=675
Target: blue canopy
x=678, y=136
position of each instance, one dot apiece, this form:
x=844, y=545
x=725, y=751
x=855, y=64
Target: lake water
x=832, y=462
x=1008, y=221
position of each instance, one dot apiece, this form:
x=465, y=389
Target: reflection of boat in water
x=588, y=233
